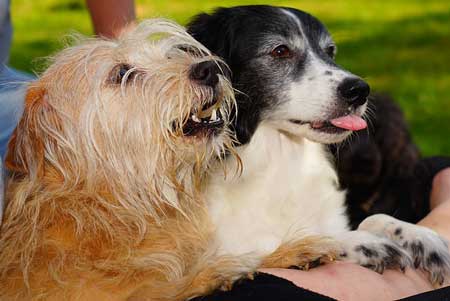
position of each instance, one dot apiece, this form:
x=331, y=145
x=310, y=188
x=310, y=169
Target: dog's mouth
x=351, y=122
x=207, y=120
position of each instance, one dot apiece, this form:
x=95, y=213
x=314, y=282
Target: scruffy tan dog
x=104, y=198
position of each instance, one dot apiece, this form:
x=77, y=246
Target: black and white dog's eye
x=119, y=72
x=330, y=51
x=281, y=51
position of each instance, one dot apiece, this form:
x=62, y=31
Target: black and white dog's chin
x=324, y=130
x=327, y=134
x=296, y=129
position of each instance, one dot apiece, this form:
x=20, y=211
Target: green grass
x=400, y=47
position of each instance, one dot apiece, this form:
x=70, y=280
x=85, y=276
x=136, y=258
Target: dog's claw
x=251, y=276
x=226, y=286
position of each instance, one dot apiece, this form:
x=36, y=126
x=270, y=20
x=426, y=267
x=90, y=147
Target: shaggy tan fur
x=302, y=252
x=104, y=192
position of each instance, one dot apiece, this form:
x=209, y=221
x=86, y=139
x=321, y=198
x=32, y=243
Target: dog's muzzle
x=207, y=120
x=353, y=91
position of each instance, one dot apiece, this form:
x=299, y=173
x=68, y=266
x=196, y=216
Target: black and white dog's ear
x=215, y=31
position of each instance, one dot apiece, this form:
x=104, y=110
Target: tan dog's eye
x=121, y=72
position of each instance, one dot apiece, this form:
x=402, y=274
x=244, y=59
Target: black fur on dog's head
x=282, y=61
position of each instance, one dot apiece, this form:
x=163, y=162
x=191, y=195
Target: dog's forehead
x=303, y=25
x=140, y=52
x=151, y=53
x=281, y=25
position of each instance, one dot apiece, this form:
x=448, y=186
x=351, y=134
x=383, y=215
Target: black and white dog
x=293, y=98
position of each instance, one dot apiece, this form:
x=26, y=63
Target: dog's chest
x=287, y=189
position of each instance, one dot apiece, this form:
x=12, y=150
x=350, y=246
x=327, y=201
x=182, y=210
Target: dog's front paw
x=376, y=253
x=303, y=254
x=428, y=250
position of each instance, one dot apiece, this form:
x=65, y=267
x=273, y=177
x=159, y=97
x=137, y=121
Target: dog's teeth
x=317, y=124
x=195, y=118
x=213, y=115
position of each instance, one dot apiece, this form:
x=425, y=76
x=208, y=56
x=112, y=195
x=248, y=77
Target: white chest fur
x=288, y=188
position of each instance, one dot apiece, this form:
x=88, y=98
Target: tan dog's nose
x=205, y=73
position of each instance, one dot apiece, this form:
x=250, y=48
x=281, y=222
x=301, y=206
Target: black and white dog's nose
x=354, y=91
x=205, y=73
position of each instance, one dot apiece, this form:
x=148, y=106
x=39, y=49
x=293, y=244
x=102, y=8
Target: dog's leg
x=302, y=253
x=428, y=250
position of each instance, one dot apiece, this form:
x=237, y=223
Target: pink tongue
x=349, y=122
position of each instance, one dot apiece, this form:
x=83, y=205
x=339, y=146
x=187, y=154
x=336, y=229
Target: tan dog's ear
x=26, y=147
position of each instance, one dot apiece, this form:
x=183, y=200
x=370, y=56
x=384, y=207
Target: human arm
x=111, y=17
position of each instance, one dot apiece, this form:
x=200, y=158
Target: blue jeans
x=12, y=94
x=2, y=191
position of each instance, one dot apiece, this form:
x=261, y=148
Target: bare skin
x=111, y=17
x=346, y=281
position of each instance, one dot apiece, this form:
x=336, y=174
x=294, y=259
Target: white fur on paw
x=428, y=250
x=371, y=251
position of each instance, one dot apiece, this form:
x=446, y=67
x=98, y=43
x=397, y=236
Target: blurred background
x=399, y=46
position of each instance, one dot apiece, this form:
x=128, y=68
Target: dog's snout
x=354, y=91
x=205, y=73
